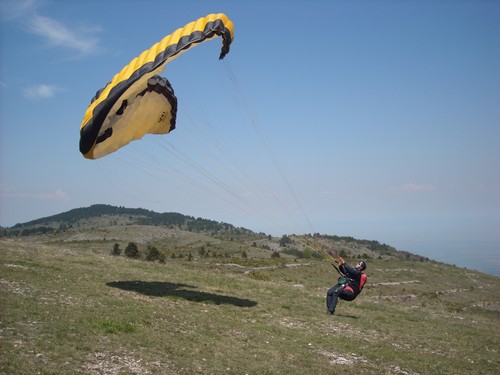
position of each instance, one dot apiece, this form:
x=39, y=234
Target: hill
x=107, y=215
x=109, y=222
x=227, y=300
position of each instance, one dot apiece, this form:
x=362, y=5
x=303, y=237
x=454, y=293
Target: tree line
x=132, y=251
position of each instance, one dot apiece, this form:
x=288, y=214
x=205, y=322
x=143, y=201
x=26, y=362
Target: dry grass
x=67, y=306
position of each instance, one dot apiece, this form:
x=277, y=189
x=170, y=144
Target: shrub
x=116, y=250
x=285, y=240
x=256, y=275
x=132, y=251
x=153, y=254
x=308, y=253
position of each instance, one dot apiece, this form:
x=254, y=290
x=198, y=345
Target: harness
x=362, y=281
x=343, y=281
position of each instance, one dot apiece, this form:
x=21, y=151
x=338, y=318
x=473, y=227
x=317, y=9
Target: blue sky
x=371, y=119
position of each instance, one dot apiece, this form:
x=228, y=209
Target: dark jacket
x=355, y=278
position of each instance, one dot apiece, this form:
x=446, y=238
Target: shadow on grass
x=166, y=289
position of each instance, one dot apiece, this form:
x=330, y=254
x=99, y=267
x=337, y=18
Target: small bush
x=153, y=254
x=132, y=251
x=259, y=276
x=116, y=250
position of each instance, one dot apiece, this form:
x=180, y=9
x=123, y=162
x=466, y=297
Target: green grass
x=73, y=308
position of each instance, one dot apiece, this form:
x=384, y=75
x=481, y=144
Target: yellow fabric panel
x=123, y=112
x=150, y=55
x=146, y=114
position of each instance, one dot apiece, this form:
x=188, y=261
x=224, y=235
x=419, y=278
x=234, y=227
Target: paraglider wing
x=137, y=101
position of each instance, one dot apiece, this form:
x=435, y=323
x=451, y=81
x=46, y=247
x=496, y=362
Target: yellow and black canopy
x=137, y=101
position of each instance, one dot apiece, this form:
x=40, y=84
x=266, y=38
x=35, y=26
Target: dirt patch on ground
x=336, y=329
x=489, y=306
x=16, y=287
x=125, y=363
x=405, y=298
x=390, y=283
x=334, y=358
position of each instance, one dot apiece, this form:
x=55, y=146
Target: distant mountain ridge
x=138, y=216
x=92, y=211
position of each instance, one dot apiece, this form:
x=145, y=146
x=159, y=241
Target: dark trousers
x=333, y=295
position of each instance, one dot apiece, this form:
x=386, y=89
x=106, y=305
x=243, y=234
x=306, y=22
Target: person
x=348, y=286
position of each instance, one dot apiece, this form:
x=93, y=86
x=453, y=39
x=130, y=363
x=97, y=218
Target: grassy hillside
x=106, y=222
x=68, y=306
